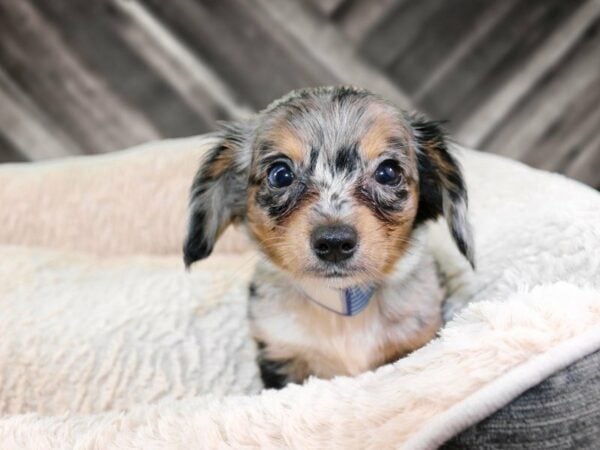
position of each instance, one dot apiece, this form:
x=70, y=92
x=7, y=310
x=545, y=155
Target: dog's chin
x=335, y=276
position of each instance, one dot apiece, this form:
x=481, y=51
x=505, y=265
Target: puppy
x=334, y=185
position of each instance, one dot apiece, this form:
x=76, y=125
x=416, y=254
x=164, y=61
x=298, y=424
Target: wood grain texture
x=520, y=78
x=43, y=64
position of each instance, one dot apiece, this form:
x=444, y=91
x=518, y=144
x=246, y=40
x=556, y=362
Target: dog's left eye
x=388, y=173
x=280, y=175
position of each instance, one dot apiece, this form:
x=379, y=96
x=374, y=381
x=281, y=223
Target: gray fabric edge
x=561, y=412
x=502, y=391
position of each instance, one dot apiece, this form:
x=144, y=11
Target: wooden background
x=516, y=77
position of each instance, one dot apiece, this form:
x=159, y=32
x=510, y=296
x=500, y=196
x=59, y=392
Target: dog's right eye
x=280, y=175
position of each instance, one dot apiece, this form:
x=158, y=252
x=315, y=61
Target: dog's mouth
x=333, y=272
x=336, y=273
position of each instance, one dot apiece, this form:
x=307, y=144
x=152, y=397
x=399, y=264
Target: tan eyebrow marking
x=376, y=139
x=288, y=143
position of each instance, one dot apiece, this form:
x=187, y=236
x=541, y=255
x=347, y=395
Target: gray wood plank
x=248, y=50
x=94, y=33
x=40, y=62
x=8, y=152
x=475, y=130
x=327, y=8
x=521, y=133
x=586, y=167
x=332, y=51
x=395, y=32
x=26, y=130
x=566, y=136
x=441, y=32
x=358, y=17
x=451, y=61
x=493, y=60
x=195, y=82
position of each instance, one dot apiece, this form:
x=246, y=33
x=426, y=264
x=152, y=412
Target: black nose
x=334, y=243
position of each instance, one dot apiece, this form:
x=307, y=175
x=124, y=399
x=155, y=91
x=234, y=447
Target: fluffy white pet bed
x=106, y=342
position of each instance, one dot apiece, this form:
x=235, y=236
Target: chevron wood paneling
x=518, y=78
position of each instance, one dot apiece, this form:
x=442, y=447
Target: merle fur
x=346, y=158
x=230, y=185
x=435, y=180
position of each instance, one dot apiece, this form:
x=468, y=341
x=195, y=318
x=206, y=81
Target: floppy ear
x=218, y=193
x=441, y=184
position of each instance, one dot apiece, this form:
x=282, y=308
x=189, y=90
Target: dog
x=335, y=186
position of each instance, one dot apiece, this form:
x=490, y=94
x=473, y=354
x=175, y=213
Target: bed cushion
x=108, y=342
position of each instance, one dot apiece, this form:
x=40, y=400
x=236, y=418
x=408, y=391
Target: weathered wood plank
x=438, y=35
x=196, y=83
x=484, y=120
x=8, y=152
x=93, y=32
x=545, y=105
x=397, y=30
x=493, y=14
x=332, y=51
x=494, y=59
x=565, y=138
x=37, y=58
x=326, y=7
x=586, y=167
x=248, y=50
x=26, y=130
x=360, y=16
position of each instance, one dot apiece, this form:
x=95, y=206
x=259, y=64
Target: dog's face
x=331, y=183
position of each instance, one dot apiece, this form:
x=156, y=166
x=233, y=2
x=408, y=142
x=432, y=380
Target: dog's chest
x=325, y=344
x=328, y=344
x=305, y=339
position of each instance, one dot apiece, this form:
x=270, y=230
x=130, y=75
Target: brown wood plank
x=36, y=57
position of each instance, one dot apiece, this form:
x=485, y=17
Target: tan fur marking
x=287, y=142
x=385, y=126
x=376, y=138
x=286, y=244
x=400, y=233
x=221, y=163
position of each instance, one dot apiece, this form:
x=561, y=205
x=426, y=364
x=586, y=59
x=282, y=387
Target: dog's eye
x=280, y=175
x=388, y=173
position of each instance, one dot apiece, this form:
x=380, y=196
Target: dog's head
x=330, y=182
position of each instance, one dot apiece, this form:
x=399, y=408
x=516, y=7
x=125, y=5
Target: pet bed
x=106, y=342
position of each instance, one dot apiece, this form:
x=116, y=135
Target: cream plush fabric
x=108, y=343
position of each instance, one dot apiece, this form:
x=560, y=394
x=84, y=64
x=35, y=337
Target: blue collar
x=345, y=302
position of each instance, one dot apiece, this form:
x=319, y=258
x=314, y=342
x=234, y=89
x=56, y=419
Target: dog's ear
x=218, y=193
x=441, y=184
